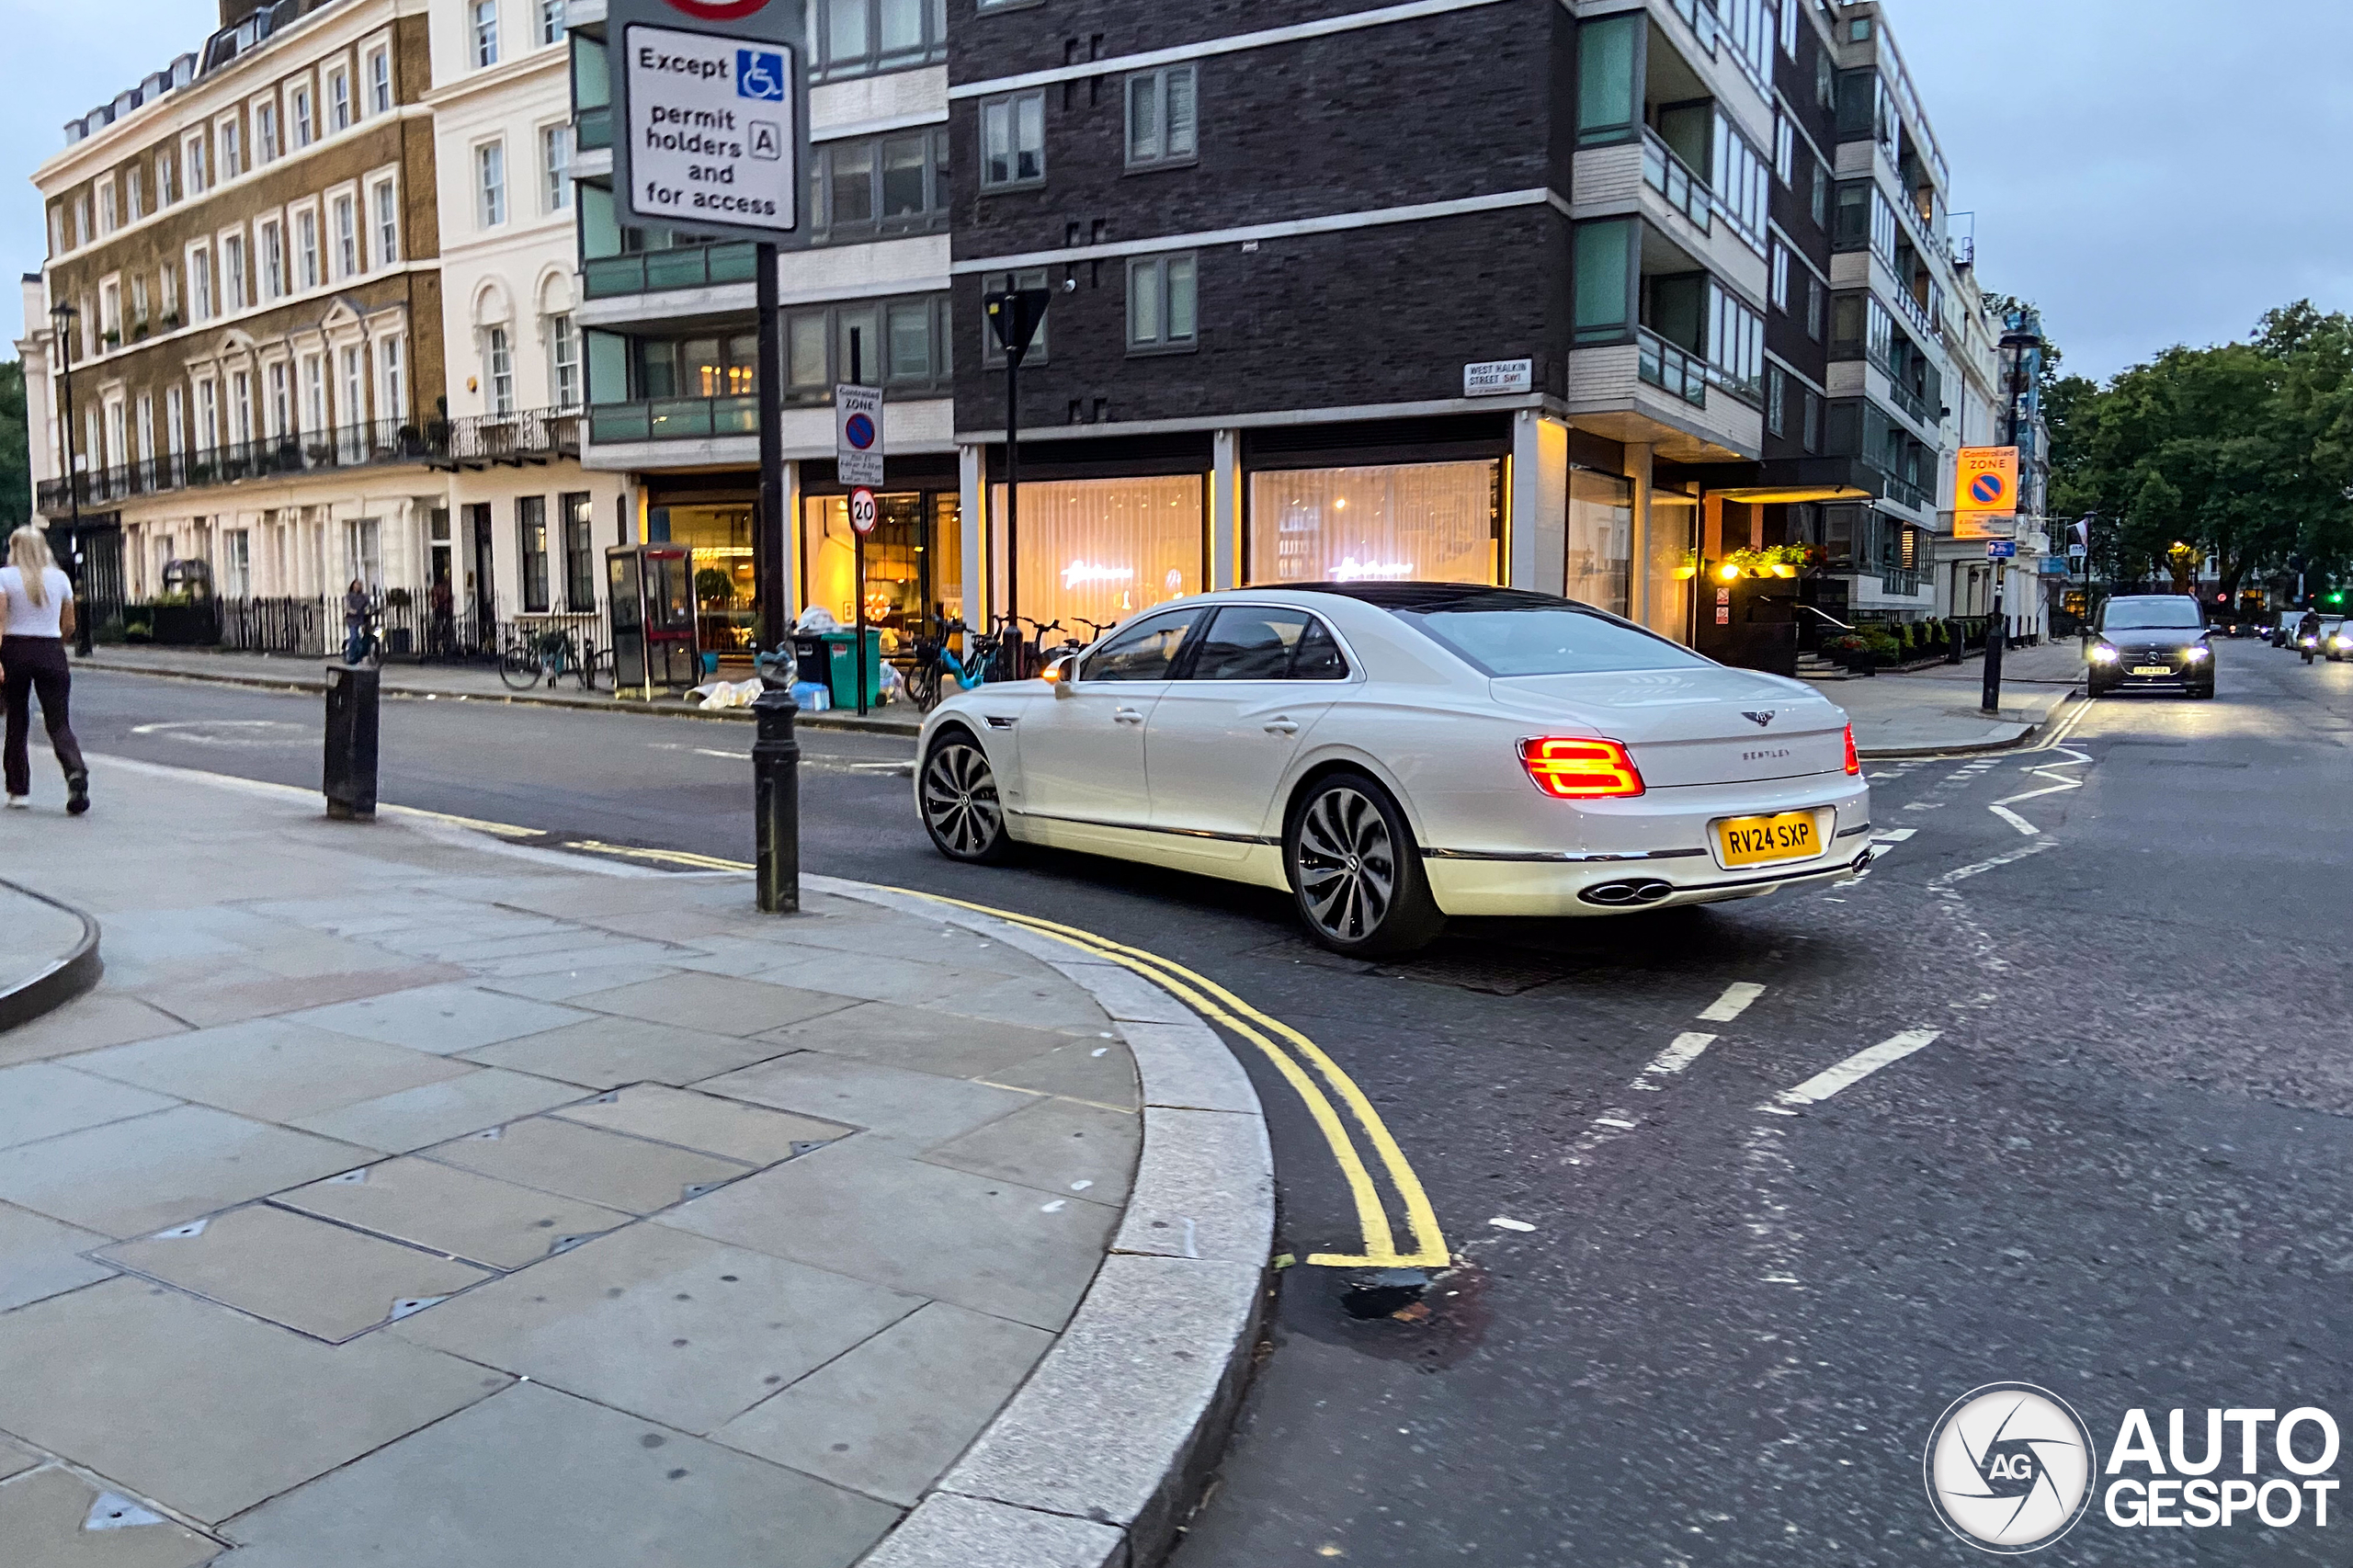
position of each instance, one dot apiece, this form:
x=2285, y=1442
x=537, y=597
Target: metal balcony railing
x=697, y=267
x=1669, y=369
x=1668, y=174
x=526, y=436
x=1908, y=404
x=673, y=419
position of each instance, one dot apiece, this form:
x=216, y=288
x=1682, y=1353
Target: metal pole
x=857, y=538
x=1996, y=634
x=73, y=482
x=1013, y=668
x=776, y=800
x=767, y=544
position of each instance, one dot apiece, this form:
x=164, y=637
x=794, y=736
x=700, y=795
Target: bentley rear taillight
x=1580, y=769
x=1853, y=762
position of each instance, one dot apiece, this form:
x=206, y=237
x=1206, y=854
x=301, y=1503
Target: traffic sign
x=1984, y=491
x=858, y=434
x=713, y=121
x=2001, y=549
x=862, y=510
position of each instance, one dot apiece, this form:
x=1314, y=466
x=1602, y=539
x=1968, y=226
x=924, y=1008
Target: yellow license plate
x=1756, y=841
x=2152, y=669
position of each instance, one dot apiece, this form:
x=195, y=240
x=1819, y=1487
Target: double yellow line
x=1292, y=1055
x=1312, y=1074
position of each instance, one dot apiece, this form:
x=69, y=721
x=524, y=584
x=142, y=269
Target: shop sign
x=713, y=116
x=858, y=434
x=1494, y=377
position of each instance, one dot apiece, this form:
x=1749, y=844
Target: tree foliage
x=16, y=467
x=2238, y=456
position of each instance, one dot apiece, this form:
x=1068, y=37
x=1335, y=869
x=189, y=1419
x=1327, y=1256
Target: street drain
x=1385, y=1293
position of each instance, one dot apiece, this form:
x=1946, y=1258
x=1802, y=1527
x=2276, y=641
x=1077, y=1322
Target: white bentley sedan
x=1396, y=753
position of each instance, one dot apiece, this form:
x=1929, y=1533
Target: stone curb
x=73, y=973
x=1094, y=1462
x=1901, y=754
x=825, y=720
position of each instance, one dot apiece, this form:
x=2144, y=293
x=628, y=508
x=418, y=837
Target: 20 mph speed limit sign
x=861, y=510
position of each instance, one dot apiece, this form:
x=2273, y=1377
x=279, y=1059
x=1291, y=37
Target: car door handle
x=1282, y=726
x=1127, y=716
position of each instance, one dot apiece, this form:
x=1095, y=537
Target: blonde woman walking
x=36, y=617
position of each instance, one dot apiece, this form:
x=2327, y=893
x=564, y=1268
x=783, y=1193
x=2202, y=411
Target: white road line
x=1856, y=1068
x=2015, y=819
x=1962, y=873
x=1894, y=835
x=1733, y=1002
x=1615, y=1121
x=1684, y=1051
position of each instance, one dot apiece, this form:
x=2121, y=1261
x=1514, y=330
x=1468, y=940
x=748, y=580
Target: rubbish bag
x=812, y=696
x=727, y=693
x=816, y=618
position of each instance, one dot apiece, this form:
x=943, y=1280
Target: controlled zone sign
x=858, y=435
x=1985, y=493
x=713, y=116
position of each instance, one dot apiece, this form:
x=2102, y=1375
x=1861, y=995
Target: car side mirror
x=1059, y=674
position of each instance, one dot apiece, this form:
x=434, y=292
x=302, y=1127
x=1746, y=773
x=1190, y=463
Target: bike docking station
x=348, y=780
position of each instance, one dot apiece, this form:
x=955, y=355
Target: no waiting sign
x=712, y=115
x=858, y=435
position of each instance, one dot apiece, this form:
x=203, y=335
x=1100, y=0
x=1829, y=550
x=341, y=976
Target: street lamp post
x=64, y=316
x=1015, y=316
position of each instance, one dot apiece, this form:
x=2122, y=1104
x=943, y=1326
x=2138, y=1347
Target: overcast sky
x=2148, y=171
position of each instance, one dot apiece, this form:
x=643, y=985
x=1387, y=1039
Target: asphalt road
x=1724, y=1334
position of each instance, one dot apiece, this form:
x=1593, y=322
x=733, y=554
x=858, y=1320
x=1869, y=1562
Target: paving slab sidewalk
x=1937, y=709
x=402, y=1195
x=473, y=683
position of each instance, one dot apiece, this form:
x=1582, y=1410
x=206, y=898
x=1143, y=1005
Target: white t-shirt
x=27, y=619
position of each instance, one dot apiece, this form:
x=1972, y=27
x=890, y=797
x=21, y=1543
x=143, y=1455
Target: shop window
x=719, y=544
x=1103, y=549
x=1600, y=539
x=1670, y=535
x=531, y=537
x=1428, y=522
x=915, y=563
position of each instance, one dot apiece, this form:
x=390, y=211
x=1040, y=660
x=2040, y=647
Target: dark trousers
x=37, y=665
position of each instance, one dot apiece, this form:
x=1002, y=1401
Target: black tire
x=956, y=791
x=1355, y=872
x=923, y=686
x=519, y=668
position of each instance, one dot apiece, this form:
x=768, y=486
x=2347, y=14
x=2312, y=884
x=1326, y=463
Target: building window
x=856, y=36
x=174, y=421
x=705, y=367
x=306, y=249
x=265, y=132
x=999, y=283
x=236, y=563
x=314, y=394
x=555, y=163
x=1813, y=298
x=498, y=366
x=57, y=229
x=1812, y=422
x=1603, y=280
x=233, y=270
x=207, y=413
x=1777, y=391
x=390, y=370
x=579, y=552
x=199, y=283
x=134, y=193
x=280, y=411
x=485, y=28
x=198, y=178
x=1160, y=304
x=1785, y=146
x=1819, y=204
x=1430, y=522
x=531, y=534
x=550, y=22
x=1163, y=117
x=231, y=141
x=354, y=390
x=563, y=362
x=1609, y=91
x=1781, y=278
x=306, y=123
x=363, y=551
x=347, y=237
x=388, y=227
x=273, y=259
x=338, y=99
x=490, y=184
x=380, y=81
x=1012, y=140
x=888, y=184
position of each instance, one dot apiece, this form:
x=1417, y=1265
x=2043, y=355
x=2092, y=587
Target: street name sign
x=1985, y=493
x=713, y=116
x=1494, y=377
x=858, y=435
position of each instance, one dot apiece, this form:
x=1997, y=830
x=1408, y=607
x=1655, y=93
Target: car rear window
x=2166, y=614
x=1548, y=640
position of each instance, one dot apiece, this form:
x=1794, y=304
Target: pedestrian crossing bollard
x=776, y=789
x=349, y=779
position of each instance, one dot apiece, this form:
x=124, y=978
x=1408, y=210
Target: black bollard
x=776, y=793
x=350, y=775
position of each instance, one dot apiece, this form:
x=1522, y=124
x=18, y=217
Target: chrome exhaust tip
x=1630, y=895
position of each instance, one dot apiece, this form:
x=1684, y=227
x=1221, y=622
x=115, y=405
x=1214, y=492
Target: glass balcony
x=1669, y=369
x=697, y=267
x=1673, y=178
x=593, y=129
x=673, y=419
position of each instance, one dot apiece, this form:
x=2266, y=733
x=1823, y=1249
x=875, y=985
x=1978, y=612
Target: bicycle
x=369, y=647
x=529, y=657
x=935, y=663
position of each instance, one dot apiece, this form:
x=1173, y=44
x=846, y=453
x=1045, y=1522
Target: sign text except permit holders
x=1985, y=493
x=713, y=131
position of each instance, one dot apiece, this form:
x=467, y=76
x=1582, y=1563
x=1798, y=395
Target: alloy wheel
x=960, y=801
x=1347, y=864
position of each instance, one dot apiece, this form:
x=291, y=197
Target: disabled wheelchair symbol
x=759, y=74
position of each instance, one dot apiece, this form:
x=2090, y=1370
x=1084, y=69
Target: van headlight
x=2103, y=654
x=2196, y=652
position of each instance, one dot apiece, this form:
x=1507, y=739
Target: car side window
x=1248, y=642
x=1145, y=651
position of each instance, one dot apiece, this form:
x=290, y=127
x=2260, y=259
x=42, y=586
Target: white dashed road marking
x=1733, y=1002
x=1856, y=1068
x=2015, y=819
